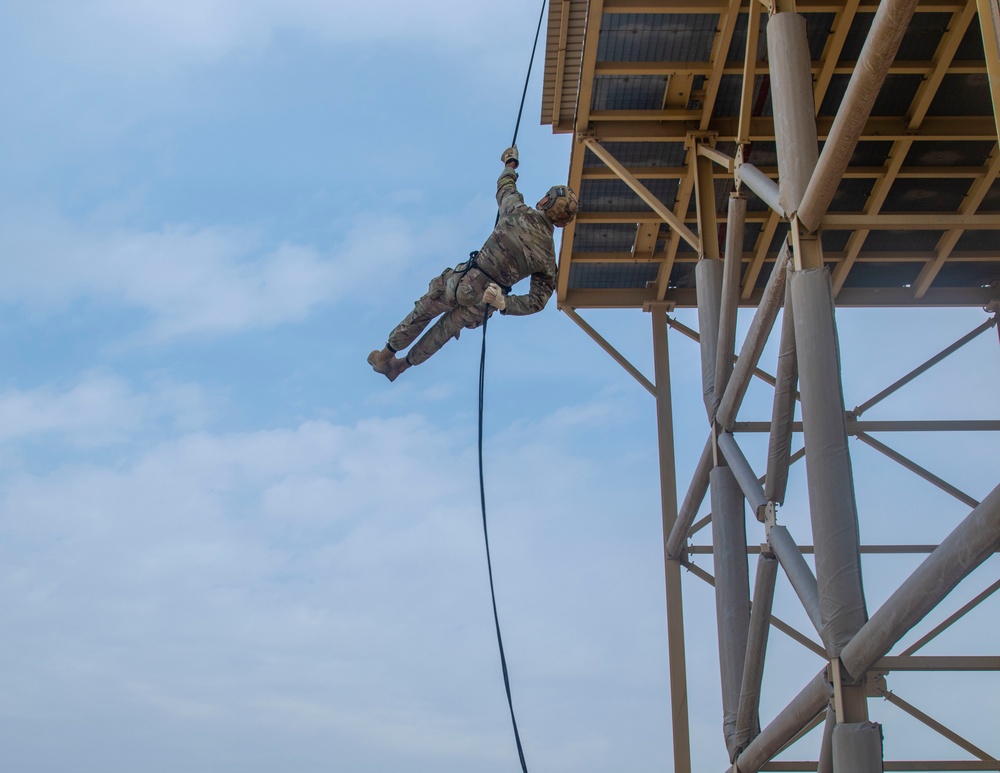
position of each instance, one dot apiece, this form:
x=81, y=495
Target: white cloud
x=99, y=409
x=210, y=280
x=326, y=580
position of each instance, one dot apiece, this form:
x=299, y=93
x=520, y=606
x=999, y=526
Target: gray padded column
x=832, y=505
x=732, y=592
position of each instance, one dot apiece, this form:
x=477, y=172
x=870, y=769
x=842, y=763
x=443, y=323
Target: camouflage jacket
x=520, y=246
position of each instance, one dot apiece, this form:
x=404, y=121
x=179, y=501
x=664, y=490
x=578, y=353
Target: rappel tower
x=793, y=157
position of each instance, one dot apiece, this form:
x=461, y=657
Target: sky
x=227, y=545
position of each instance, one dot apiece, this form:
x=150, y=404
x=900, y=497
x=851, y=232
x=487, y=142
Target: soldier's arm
x=507, y=195
x=543, y=284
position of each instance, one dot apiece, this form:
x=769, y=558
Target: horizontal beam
x=651, y=126
x=841, y=221
x=801, y=6
x=922, y=221
x=735, y=68
x=853, y=173
x=889, y=765
x=853, y=427
x=938, y=663
x=886, y=550
x=854, y=297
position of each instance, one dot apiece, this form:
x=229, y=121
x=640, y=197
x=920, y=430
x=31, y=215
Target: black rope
x=489, y=564
x=482, y=482
x=527, y=78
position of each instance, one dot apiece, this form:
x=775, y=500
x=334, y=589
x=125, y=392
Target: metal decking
x=915, y=220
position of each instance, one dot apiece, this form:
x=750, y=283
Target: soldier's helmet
x=561, y=206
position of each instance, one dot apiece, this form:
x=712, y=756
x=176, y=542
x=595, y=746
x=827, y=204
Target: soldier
x=520, y=246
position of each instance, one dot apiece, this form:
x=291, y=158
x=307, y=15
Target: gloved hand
x=494, y=297
x=510, y=155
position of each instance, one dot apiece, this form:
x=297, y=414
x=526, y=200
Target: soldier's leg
x=446, y=328
x=432, y=304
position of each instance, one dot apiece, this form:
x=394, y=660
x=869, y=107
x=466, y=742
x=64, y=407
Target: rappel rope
x=482, y=483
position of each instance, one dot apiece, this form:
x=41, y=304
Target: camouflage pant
x=455, y=295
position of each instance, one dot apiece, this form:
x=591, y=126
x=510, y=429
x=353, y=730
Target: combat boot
x=379, y=360
x=396, y=366
x=386, y=363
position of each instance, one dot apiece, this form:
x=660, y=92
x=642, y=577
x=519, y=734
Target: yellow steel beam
x=564, y=8
x=948, y=240
x=853, y=172
x=750, y=67
x=949, y=44
x=802, y=6
x=643, y=193
x=874, y=204
x=720, y=49
x=594, y=15
x=989, y=21
x=762, y=68
x=831, y=53
x=651, y=126
x=683, y=202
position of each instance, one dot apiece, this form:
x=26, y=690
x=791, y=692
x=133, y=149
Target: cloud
x=100, y=409
x=190, y=280
x=324, y=581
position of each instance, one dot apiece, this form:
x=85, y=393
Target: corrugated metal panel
x=561, y=116
x=835, y=241
x=971, y=47
x=963, y=274
x=641, y=154
x=727, y=103
x=616, y=196
x=895, y=97
x=950, y=153
x=926, y=195
x=618, y=276
x=963, y=94
x=883, y=275
x=817, y=31
x=872, y=153
x=902, y=241
x=738, y=45
x=657, y=37
x=604, y=237
x=856, y=37
x=923, y=36
x=986, y=241
x=628, y=92
x=992, y=204
x=851, y=195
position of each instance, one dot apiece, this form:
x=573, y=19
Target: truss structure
x=798, y=156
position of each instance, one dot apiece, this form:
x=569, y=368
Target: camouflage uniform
x=520, y=246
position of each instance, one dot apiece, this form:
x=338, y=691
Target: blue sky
x=227, y=545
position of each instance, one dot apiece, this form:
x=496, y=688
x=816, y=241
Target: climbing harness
x=473, y=263
x=482, y=383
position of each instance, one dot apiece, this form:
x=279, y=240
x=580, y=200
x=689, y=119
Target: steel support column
x=672, y=569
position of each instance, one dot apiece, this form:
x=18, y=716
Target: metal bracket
x=875, y=684
x=692, y=138
x=768, y=515
x=649, y=306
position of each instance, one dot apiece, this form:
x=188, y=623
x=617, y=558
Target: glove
x=510, y=155
x=494, y=297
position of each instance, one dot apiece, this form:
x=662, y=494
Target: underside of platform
x=650, y=86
